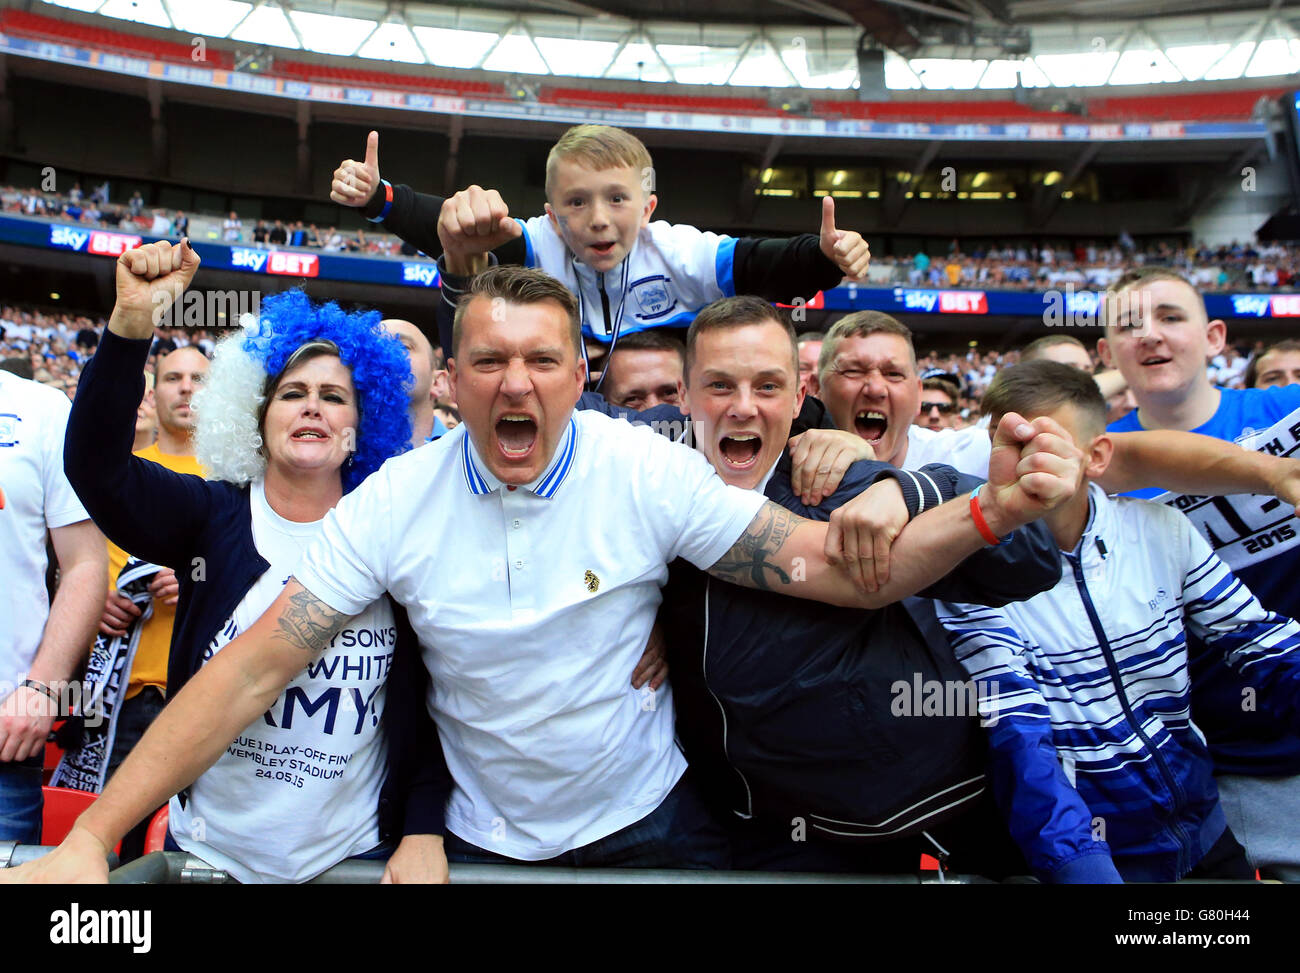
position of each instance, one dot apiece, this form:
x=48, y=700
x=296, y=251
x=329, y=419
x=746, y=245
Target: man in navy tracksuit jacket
x=791, y=717
x=794, y=718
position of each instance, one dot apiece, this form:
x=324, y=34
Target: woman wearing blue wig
x=298, y=409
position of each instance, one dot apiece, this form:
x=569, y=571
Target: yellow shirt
x=150, y=666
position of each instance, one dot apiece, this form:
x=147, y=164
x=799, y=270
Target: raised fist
x=150, y=279
x=1034, y=467
x=474, y=222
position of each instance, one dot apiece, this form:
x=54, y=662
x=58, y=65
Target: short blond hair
x=600, y=147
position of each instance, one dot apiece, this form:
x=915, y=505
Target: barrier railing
x=12, y=854
x=182, y=868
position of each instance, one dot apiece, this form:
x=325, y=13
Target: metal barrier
x=12, y=854
x=182, y=868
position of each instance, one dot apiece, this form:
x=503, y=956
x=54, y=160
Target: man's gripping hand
x=119, y=612
x=473, y=223
x=845, y=248
x=819, y=458
x=80, y=860
x=1033, y=468
x=862, y=533
x=355, y=182
x=150, y=279
x=418, y=860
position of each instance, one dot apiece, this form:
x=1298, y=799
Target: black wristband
x=41, y=688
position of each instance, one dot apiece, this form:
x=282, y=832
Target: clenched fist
x=1034, y=467
x=472, y=223
x=150, y=279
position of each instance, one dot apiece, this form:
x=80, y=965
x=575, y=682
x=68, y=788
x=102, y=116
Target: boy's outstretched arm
x=410, y=215
x=784, y=269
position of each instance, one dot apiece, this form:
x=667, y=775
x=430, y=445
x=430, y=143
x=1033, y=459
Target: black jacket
x=203, y=531
x=786, y=707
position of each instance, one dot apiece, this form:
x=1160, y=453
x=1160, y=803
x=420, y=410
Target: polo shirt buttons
x=516, y=524
x=519, y=563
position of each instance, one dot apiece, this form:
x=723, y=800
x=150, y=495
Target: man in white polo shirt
x=40, y=645
x=529, y=546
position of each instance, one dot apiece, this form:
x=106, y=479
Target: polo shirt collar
x=480, y=480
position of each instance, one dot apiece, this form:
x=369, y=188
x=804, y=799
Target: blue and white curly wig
x=248, y=365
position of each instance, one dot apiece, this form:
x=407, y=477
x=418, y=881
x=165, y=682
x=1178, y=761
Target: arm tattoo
x=751, y=557
x=308, y=623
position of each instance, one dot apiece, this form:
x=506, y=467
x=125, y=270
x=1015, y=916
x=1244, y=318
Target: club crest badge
x=653, y=297
x=591, y=581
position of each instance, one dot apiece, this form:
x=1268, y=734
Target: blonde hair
x=600, y=147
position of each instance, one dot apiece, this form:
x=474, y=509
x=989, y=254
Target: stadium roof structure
x=927, y=44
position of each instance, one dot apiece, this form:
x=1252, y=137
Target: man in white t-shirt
x=528, y=547
x=40, y=645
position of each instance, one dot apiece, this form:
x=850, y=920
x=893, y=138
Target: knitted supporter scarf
x=84, y=767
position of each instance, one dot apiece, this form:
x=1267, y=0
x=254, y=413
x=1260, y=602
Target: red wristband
x=981, y=524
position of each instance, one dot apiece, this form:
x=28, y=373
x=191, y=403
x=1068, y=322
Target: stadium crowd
x=1019, y=265
x=96, y=210
x=1093, y=266
x=888, y=604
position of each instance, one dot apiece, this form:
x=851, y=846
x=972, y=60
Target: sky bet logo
x=275, y=262
x=425, y=275
x=92, y=241
x=945, y=302
x=1250, y=305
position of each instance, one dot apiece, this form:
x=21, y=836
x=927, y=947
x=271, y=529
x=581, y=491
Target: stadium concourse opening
x=926, y=513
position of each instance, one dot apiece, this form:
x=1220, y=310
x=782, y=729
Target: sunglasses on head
x=944, y=408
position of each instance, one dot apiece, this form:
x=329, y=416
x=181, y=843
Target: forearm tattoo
x=308, y=623
x=751, y=557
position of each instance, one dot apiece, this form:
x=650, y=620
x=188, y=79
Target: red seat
x=155, y=838
x=62, y=808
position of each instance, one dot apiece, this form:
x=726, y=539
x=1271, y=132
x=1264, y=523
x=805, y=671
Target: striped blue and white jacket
x=1095, y=759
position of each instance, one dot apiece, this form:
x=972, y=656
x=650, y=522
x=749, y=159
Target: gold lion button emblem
x=591, y=581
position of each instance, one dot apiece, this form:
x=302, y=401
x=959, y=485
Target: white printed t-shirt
x=33, y=418
x=532, y=606
x=298, y=791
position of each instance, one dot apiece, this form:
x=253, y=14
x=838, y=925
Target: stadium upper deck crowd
x=1021, y=265
x=820, y=576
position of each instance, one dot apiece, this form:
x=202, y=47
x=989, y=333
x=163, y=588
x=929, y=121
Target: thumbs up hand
x=355, y=182
x=845, y=248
